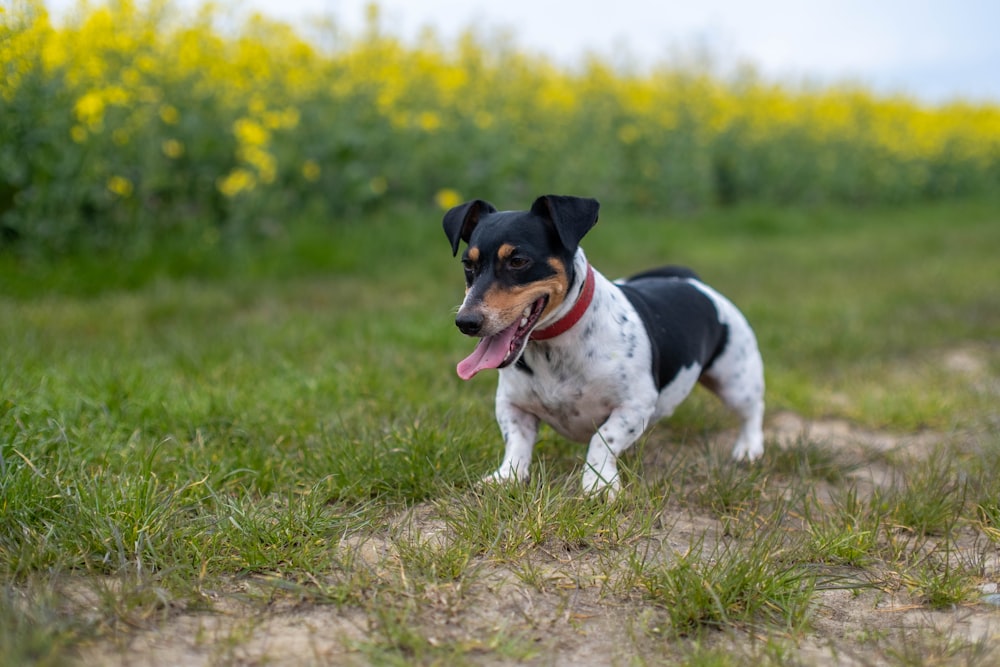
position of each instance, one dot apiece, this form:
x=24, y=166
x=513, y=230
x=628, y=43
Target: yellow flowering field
x=132, y=120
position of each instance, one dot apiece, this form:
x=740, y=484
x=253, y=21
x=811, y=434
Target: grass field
x=235, y=455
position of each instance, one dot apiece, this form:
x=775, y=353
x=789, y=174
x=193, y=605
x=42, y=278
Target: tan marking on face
x=505, y=306
x=562, y=286
x=505, y=251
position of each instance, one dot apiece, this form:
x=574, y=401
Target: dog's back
x=669, y=271
x=683, y=323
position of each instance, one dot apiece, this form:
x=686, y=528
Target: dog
x=597, y=360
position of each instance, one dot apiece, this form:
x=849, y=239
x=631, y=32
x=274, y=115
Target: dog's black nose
x=469, y=323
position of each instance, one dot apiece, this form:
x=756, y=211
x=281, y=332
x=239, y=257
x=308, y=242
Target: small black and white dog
x=599, y=361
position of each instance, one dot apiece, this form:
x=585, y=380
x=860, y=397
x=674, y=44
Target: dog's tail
x=670, y=271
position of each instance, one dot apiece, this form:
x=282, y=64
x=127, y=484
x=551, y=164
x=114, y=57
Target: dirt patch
x=559, y=606
x=787, y=428
x=239, y=634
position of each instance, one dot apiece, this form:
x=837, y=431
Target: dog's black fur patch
x=682, y=323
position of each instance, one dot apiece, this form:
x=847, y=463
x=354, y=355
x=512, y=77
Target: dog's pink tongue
x=489, y=353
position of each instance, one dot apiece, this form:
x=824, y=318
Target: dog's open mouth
x=502, y=349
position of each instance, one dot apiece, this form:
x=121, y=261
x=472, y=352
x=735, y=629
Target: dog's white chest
x=575, y=383
x=575, y=410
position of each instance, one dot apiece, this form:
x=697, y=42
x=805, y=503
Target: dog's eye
x=468, y=265
x=517, y=263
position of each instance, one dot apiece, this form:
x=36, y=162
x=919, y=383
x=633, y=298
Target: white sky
x=933, y=49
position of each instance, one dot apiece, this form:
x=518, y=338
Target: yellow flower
x=89, y=109
x=120, y=185
x=290, y=118
x=257, y=105
x=131, y=77
x=116, y=95
x=399, y=119
x=287, y=119
x=447, y=198
x=429, y=121
x=272, y=120
x=172, y=148
x=237, y=181
x=483, y=120
x=628, y=133
x=378, y=185
x=264, y=162
x=311, y=171
x=250, y=132
x=169, y=114
x=78, y=134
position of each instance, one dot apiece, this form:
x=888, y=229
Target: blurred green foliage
x=128, y=123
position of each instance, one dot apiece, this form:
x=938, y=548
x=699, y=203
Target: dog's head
x=518, y=270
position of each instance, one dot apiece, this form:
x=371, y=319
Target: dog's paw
x=596, y=484
x=504, y=476
x=748, y=450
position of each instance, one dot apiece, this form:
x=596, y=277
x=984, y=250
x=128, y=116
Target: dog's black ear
x=461, y=220
x=572, y=217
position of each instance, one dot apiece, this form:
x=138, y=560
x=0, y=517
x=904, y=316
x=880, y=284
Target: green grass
x=846, y=530
x=171, y=428
x=732, y=585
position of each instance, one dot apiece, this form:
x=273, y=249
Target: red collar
x=563, y=325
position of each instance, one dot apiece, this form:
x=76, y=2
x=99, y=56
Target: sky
x=935, y=50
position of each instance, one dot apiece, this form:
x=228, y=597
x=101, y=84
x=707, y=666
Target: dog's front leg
x=520, y=431
x=621, y=429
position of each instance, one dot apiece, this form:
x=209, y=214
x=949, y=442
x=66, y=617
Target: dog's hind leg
x=737, y=377
x=750, y=443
